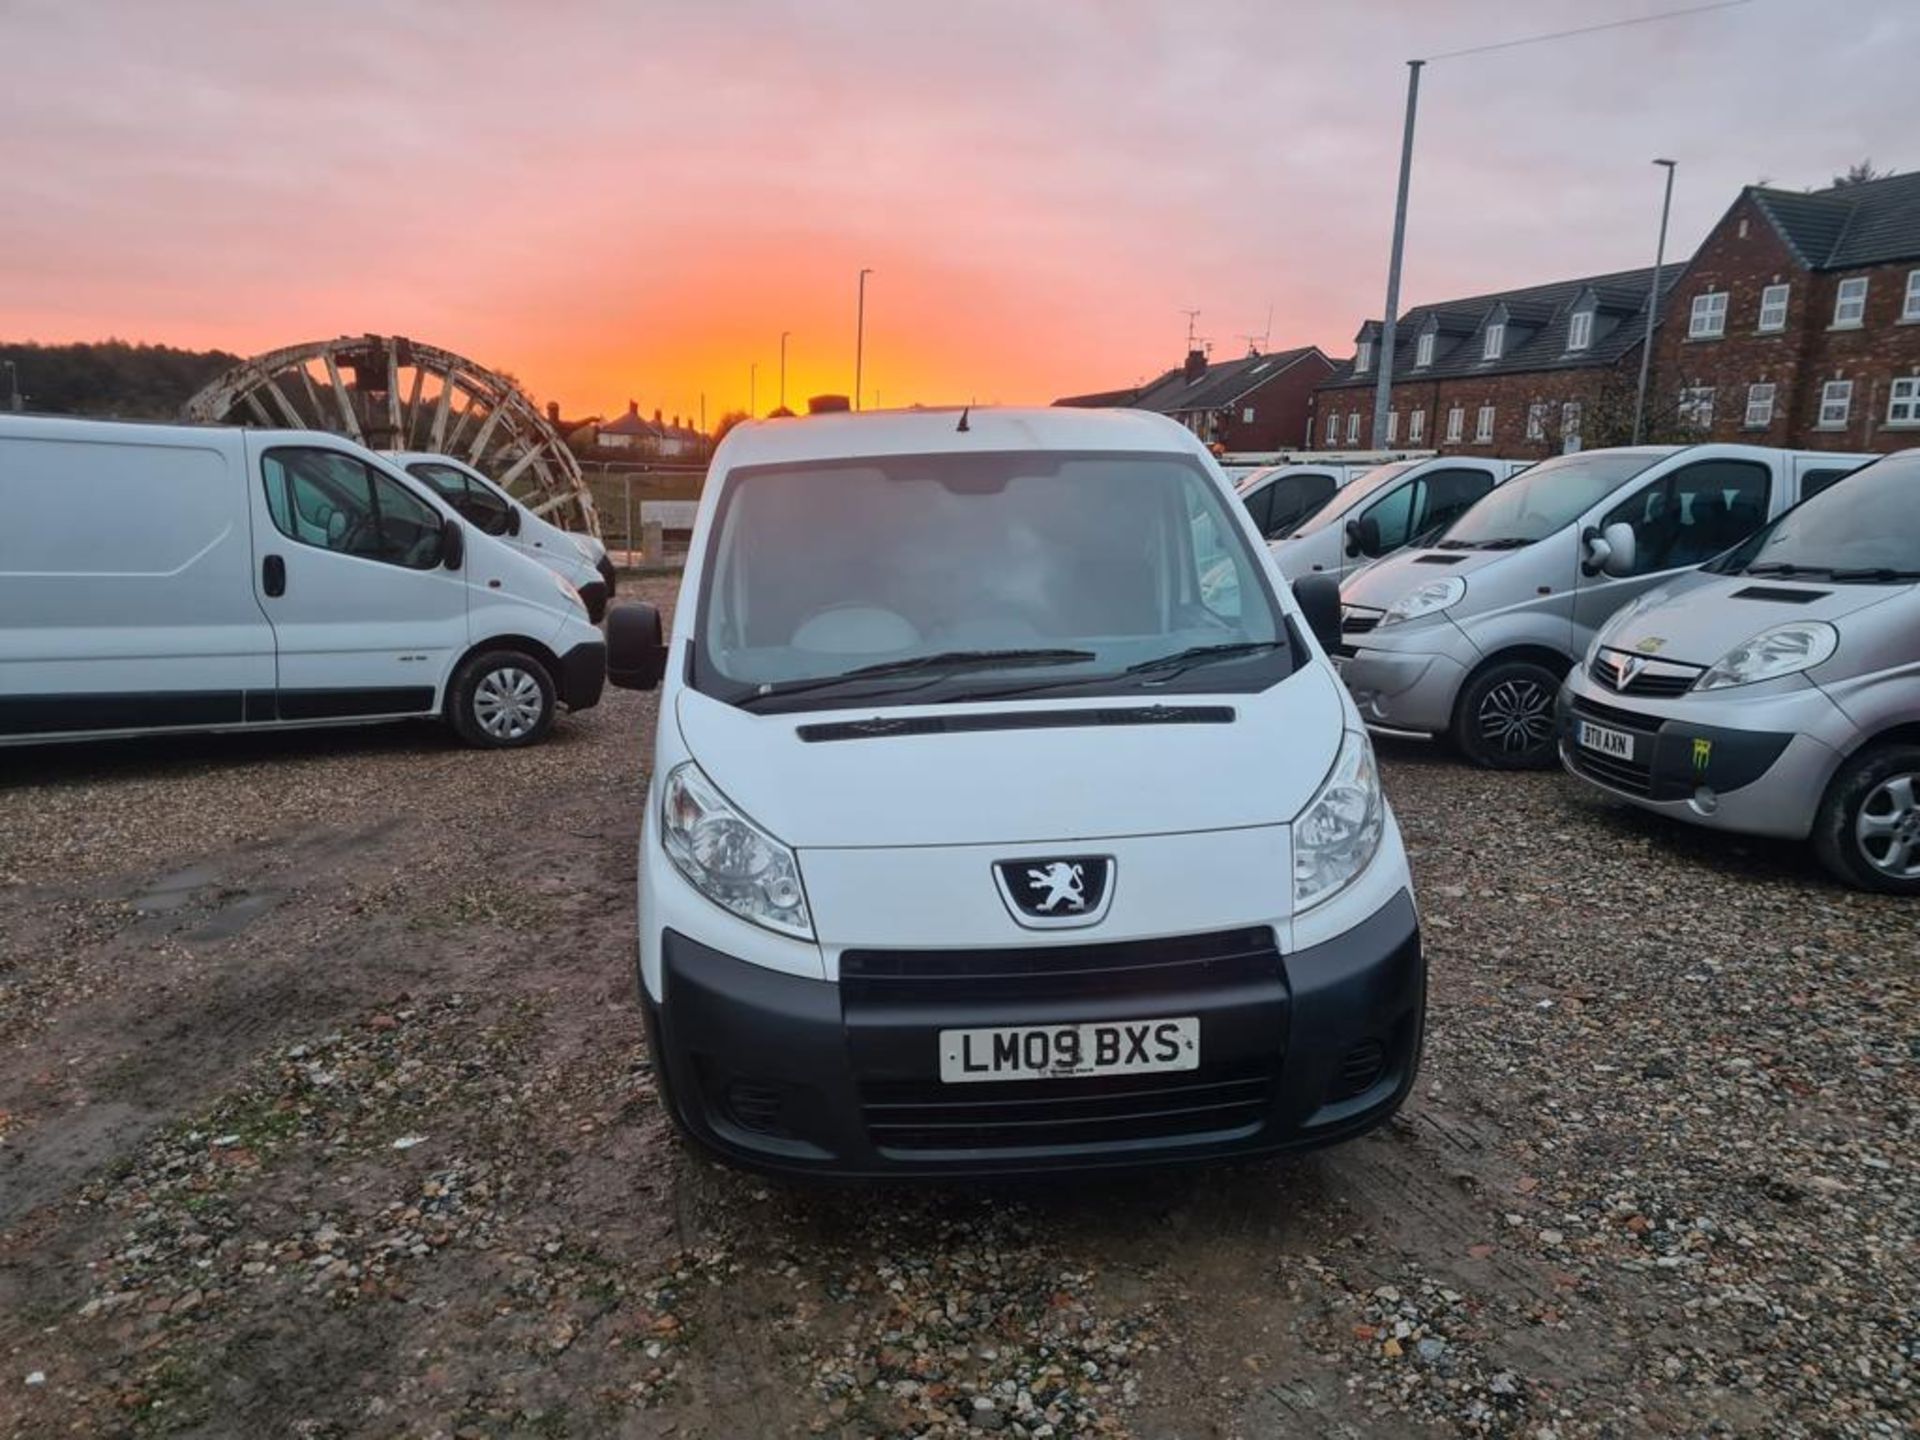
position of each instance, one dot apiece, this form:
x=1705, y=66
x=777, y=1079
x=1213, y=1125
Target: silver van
x=1776, y=691
x=1282, y=498
x=1404, y=503
x=1470, y=638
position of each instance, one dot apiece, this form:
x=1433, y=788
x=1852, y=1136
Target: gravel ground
x=324, y=1111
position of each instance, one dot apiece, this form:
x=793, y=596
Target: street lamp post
x=783, y=368
x=860, y=336
x=13, y=386
x=1389, y=323
x=1653, y=306
x=753, y=394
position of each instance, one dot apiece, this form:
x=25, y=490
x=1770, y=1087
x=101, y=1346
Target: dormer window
x=1496, y=341
x=1362, y=357
x=1423, y=349
x=1580, y=330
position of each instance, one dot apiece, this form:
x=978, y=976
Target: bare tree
x=1859, y=173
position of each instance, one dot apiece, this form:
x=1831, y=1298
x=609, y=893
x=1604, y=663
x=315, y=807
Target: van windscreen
x=1545, y=499
x=946, y=577
x=1864, y=529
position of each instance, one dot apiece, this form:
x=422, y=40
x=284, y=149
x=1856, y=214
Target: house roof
x=1869, y=223
x=1218, y=386
x=632, y=423
x=1107, y=399
x=1536, y=317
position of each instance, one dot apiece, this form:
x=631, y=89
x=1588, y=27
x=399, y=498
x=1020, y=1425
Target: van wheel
x=501, y=699
x=1504, y=717
x=1868, y=829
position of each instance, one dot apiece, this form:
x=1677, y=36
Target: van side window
x=1257, y=506
x=1694, y=514
x=1814, y=481
x=1448, y=493
x=333, y=502
x=1393, y=514
x=456, y=487
x=1293, y=500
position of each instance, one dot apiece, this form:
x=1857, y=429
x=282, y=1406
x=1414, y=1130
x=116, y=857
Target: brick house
x=1797, y=322
x=1255, y=403
x=1520, y=373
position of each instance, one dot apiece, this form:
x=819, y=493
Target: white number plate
x=1056, y=1052
x=1607, y=742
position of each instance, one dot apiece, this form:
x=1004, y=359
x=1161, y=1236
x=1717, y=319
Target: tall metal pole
x=1653, y=306
x=753, y=392
x=860, y=337
x=783, y=368
x=1383, y=393
x=13, y=386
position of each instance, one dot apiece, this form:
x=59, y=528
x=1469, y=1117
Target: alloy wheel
x=508, y=703
x=1887, y=828
x=1517, y=716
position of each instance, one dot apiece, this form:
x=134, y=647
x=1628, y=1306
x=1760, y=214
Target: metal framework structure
x=391, y=393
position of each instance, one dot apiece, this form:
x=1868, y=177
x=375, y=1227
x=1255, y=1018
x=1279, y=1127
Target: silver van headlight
x=728, y=858
x=1782, y=650
x=1335, y=837
x=1428, y=599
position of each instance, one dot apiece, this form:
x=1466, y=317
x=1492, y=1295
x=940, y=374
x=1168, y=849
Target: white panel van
x=167, y=578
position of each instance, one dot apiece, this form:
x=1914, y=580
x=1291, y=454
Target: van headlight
x=728, y=858
x=1429, y=599
x=568, y=589
x=1336, y=836
x=1783, y=650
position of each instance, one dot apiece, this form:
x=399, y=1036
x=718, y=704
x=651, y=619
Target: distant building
x=632, y=431
x=1255, y=403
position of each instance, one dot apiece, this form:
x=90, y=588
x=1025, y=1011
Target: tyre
x=500, y=699
x=1867, y=831
x=1504, y=718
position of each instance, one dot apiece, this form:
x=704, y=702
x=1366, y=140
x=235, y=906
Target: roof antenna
x=963, y=427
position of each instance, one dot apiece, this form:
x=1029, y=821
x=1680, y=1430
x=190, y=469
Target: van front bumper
x=583, y=675
x=1408, y=684
x=806, y=1076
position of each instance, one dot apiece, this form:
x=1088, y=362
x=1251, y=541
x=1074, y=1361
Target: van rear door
x=125, y=594
x=366, y=618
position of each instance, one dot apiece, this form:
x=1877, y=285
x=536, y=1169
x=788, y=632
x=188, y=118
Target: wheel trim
x=1516, y=716
x=508, y=703
x=1886, y=829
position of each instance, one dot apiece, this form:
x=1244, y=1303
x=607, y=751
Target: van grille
x=1217, y=1102
x=1048, y=972
x=1657, y=680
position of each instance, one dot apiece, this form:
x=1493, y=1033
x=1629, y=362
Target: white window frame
x=1416, y=427
x=1773, y=302
x=1456, y=424
x=1423, y=350
x=1362, y=357
x=1353, y=428
x=1836, y=405
x=1494, y=344
x=1537, y=420
x=1483, y=426
x=1570, y=417
x=1903, y=399
x=1393, y=427
x=1696, y=407
x=1246, y=414
x=1332, y=429
x=1850, y=303
x=1759, y=405
x=1579, y=330
x=1910, y=306
x=1708, y=320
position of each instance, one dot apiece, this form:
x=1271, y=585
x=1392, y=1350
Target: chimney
x=633, y=408
x=676, y=422
x=656, y=414
x=553, y=412
x=1196, y=365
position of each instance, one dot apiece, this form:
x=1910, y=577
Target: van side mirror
x=453, y=543
x=636, y=650
x=513, y=519
x=1619, y=540
x=1318, y=597
x=1363, y=536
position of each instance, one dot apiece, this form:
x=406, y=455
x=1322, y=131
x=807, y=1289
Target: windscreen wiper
x=1785, y=567
x=1872, y=574
x=1505, y=542
x=944, y=662
x=1201, y=655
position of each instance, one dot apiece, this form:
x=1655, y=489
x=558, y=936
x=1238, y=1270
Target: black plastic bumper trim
x=1683, y=756
x=583, y=675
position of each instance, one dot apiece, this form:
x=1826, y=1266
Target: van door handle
x=273, y=575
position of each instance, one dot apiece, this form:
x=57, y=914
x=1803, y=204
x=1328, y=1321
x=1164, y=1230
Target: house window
x=1836, y=399
x=1423, y=349
x=1496, y=341
x=1696, y=407
x=1773, y=307
x=1456, y=423
x=1393, y=427
x=1483, y=426
x=1570, y=419
x=1362, y=357
x=1910, y=307
x=1537, y=420
x=1903, y=403
x=1416, y=427
x=1333, y=431
x=1353, y=428
x=1759, y=406
x=1580, y=330
x=1850, y=303
x=1246, y=415
x=1709, y=318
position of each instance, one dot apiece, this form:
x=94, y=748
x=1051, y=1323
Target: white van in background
x=580, y=560
x=158, y=578
x=1389, y=507
x=1281, y=498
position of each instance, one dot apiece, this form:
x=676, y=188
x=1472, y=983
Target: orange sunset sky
x=634, y=200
